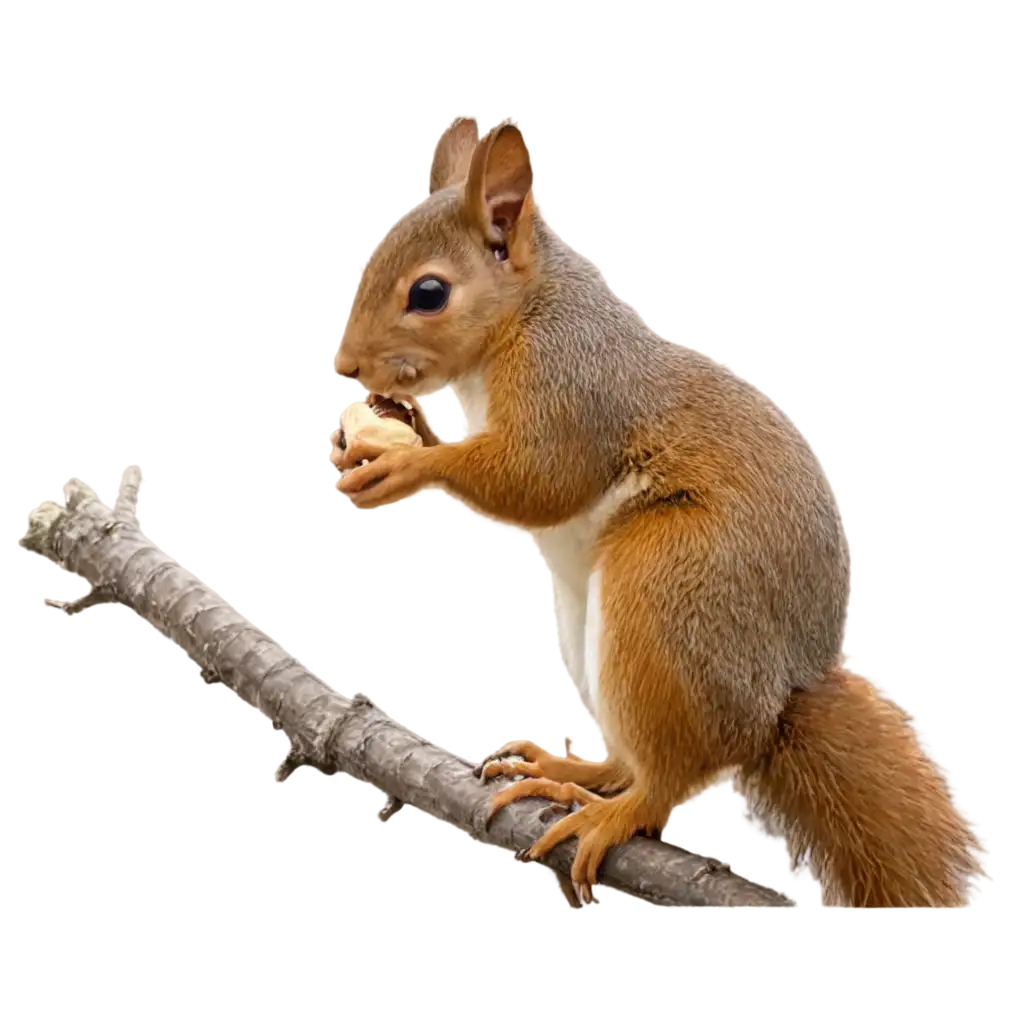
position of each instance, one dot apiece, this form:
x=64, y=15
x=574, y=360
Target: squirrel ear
x=453, y=153
x=499, y=182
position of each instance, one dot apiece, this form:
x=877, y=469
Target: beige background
x=181, y=195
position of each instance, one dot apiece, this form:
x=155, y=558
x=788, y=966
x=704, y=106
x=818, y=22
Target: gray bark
x=328, y=731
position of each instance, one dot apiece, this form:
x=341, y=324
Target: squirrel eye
x=428, y=295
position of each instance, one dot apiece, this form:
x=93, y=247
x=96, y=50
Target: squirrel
x=700, y=567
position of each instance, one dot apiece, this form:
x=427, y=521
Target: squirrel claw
x=651, y=832
x=584, y=893
x=513, y=766
x=574, y=894
x=521, y=759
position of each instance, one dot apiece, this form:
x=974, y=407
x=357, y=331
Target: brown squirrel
x=700, y=568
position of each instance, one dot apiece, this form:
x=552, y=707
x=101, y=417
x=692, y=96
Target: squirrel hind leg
x=656, y=705
x=651, y=699
x=652, y=713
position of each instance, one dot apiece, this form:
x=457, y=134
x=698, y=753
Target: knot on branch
x=102, y=594
x=305, y=759
x=210, y=674
x=299, y=757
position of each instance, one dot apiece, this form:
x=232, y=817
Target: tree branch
x=329, y=731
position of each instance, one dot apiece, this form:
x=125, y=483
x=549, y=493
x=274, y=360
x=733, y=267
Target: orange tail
x=848, y=786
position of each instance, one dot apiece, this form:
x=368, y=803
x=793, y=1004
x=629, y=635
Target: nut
x=387, y=424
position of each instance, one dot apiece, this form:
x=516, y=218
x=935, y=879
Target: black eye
x=428, y=295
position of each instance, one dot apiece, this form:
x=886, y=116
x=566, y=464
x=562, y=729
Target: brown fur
x=847, y=784
x=724, y=581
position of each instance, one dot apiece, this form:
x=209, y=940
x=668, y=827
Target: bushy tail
x=848, y=786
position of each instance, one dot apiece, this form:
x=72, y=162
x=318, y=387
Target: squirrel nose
x=346, y=366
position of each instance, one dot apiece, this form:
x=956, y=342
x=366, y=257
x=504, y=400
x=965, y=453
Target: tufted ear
x=453, y=153
x=498, y=185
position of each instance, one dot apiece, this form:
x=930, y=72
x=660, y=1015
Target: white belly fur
x=569, y=552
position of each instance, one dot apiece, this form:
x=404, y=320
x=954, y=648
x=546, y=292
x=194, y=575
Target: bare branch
x=327, y=730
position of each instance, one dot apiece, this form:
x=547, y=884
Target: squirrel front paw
x=370, y=428
x=390, y=476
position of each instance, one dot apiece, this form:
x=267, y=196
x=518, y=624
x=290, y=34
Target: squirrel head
x=450, y=273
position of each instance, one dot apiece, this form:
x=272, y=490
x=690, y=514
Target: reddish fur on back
x=849, y=787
